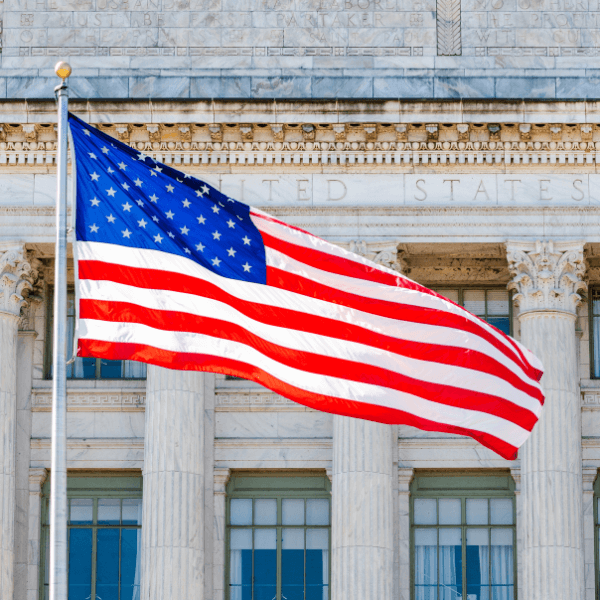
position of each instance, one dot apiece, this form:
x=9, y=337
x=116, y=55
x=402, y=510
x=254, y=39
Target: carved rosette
x=547, y=275
x=18, y=273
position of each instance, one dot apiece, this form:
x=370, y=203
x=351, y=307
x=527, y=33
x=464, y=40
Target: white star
x=198, y=193
x=186, y=203
x=111, y=219
x=216, y=209
x=95, y=201
x=111, y=192
x=201, y=220
x=246, y=240
x=247, y=267
x=179, y=180
x=125, y=186
x=216, y=235
x=231, y=252
x=170, y=235
x=153, y=198
x=122, y=166
x=157, y=238
x=94, y=228
x=127, y=207
x=142, y=156
x=92, y=155
x=111, y=171
x=231, y=223
x=185, y=176
x=126, y=233
x=86, y=132
x=94, y=176
x=139, y=203
x=200, y=247
x=153, y=173
x=170, y=214
x=142, y=223
x=240, y=218
x=105, y=150
x=138, y=182
x=170, y=188
x=155, y=219
x=158, y=169
x=185, y=230
x=186, y=251
x=221, y=204
x=205, y=189
x=215, y=261
x=230, y=200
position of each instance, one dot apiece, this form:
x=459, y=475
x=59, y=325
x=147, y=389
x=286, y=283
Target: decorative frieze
x=119, y=400
x=253, y=401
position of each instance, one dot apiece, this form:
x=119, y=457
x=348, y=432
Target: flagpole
x=58, y=473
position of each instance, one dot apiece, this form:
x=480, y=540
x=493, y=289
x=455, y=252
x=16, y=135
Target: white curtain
x=425, y=572
x=449, y=578
x=235, y=575
x=596, y=346
x=138, y=559
x=325, y=574
x=484, y=569
x=502, y=572
x=134, y=370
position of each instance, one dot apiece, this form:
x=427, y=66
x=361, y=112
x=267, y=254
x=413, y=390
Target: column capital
x=221, y=478
x=405, y=477
x=18, y=273
x=37, y=478
x=516, y=475
x=547, y=275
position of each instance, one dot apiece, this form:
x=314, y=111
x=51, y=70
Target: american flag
x=172, y=272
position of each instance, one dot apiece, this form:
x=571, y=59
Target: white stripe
x=450, y=375
x=269, y=296
x=182, y=342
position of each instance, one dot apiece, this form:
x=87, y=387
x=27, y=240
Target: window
x=104, y=538
x=89, y=368
x=278, y=538
x=594, y=315
x=463, y=538
x=491, y=304
x=597, y=532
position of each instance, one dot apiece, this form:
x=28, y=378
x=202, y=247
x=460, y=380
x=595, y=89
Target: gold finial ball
x=62, y=69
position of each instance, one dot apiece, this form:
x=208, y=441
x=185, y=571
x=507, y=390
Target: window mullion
x=464, y=546
x=94, y=546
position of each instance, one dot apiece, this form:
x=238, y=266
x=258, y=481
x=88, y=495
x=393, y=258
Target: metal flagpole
x=58, y=473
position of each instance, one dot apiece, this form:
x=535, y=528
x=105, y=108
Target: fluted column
x=16, y=275
x=173, y=505
x=362, y=510
x=546, y=278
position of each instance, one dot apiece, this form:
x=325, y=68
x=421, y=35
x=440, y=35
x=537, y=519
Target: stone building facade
x=457, y=142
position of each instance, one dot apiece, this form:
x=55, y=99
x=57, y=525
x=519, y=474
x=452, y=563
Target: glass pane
x=477, y=511
x=497, y=302
x=265, y=564
x=265, y=512
x=134, y=370
x=450, y=564
x=132, y=511
x=317, y=512
x=292, y=564
x=596, y=302
x=82, y=368
x=111, y=369
x=474, y=301
x=450, y=294
x=80, y=564
x=81, y=511
x=293, y=512
x=425, y=511
x=109, y=511
x=502, y=559
x=596, y=334
x=317, y=564
x=240, y=564
x=478, y=564
x=107, y=564
x=131, y=542
x=240, y=512
x=501, y=323
x=449, y=511
x=501, y=511
x=426, y=567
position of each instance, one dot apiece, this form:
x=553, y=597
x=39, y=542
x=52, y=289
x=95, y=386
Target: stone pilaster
x=362, y=510
x=37, y=477
x=405, y=477
x=516, y=475
x=221, y=477
x=589, y=531
x=547, y=277
x=173, y=511
x=16, y=276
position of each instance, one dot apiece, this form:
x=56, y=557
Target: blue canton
x=127, y=198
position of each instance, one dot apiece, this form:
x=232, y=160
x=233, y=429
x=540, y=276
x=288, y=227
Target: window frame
x=463, y=486
x=257, y=486
x=596, y=540
x=591, y=315
x=461, y=290
x=48, y=347
x=106, y=486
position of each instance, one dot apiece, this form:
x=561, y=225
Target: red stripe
x=121, y=312
x=291, y=319
x=400, y=312
x=330, y=404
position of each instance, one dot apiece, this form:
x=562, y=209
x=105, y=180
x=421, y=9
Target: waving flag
x=172, y=272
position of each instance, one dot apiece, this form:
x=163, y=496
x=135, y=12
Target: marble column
x=173, y=505
x=16, y=275
x=362, y=535
x=546, y=278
